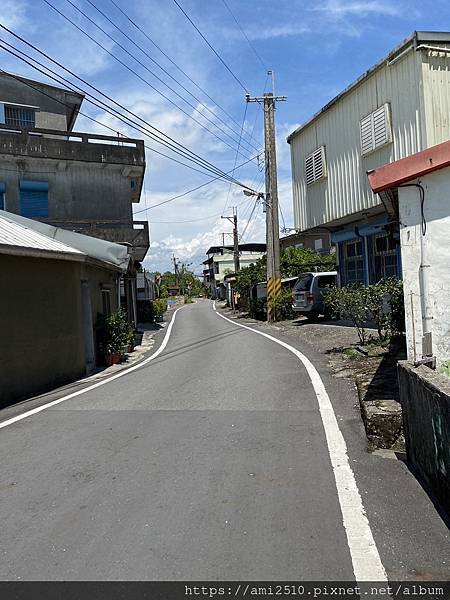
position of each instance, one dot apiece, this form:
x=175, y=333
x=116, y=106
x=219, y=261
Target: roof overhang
x=393, y=175
x=413, y=41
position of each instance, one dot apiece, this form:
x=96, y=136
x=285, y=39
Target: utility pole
x=175, y=267
x=268, y=101
x=234, y=221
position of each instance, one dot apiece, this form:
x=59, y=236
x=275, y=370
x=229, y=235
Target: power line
x=189, y=191
x=133, y=71
x=245, y=35
x=91, y=119
x=236, y=156
x=249, y=219
x=173, y=62
x=160, y=136
x=212, y=48
x=171, y=77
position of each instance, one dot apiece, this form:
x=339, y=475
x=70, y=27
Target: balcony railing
x=69, y=145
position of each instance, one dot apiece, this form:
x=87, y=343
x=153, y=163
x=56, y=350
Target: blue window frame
x=353, y=261
x=33, y=198
x=19, y=116
x=2, y=196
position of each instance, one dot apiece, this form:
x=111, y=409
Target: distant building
x=318, y=241
x=54, y=285
x=79, y=181
x=395, y=109
x=220, y=262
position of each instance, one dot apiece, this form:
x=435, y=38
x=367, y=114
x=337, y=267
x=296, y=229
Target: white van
x=309, y=291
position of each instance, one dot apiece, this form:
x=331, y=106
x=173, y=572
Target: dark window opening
x=106, y=302
x=18, y=116
x=354, y=262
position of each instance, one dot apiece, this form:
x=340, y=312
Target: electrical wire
x=160, y=136
x=93, y=120
x=245, y=35
x=133, y=71
x=189, y=191
x=236, y=157
x=143, y=32
x=210, y=46
x=249, y=219
x=204, y=106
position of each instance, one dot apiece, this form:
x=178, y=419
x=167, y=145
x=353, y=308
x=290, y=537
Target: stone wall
x=425, y=399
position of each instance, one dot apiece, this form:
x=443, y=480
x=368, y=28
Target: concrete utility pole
x=234, y=222
x=175, y=267
x=268, y=101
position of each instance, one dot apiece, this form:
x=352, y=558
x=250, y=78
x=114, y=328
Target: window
x=315, y=166
x=375, y=130
x=353, y=255
x=18, y=116
x=33, y=198
x=326, y=281
x=385, y=262
x=106, y=302
x=216, y=268
x=2, y=196
x=303, y=283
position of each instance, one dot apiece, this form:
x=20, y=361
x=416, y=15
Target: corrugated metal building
x=397, y=108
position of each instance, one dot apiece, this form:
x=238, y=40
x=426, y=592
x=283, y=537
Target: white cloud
x=14, y=13
x=342, y=8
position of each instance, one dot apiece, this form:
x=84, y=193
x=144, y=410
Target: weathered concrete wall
x=425, y=399
x=41, y=329
x=52, y=114
x=76, y=191
x=40, y=342
x=437, y=248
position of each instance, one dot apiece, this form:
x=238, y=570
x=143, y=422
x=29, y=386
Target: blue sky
x=316, y=49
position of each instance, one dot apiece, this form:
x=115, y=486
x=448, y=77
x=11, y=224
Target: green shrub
x=350, y=303
x=380, y=302
x=113, y=332
x=159, y=307
x=258, y=309
x=445, y=369
x=282, y=303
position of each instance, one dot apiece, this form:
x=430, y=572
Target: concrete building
x=79, y=181
x=319, y=241
x=220, y=262
x=397, y=108
x=54, y=284
x=415, y=192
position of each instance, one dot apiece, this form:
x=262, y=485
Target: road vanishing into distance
x=228, y=456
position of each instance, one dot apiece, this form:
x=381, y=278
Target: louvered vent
x=375, y=130
x=315, y=167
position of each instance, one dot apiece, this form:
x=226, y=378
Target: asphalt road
x=210, y=462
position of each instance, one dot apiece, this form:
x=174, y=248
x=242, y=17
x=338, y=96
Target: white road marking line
x=367, y=565
x=96, y=385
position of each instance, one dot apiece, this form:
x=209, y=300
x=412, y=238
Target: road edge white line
x=367, y=565
x=39, y=409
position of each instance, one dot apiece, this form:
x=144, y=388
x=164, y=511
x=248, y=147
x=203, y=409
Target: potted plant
x=114, y=336
x=159, y=308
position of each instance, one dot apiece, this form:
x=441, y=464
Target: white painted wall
x=437, y=246
x=226, y=263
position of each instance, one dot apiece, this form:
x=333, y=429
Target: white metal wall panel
x=345, y=190
x=436, y=85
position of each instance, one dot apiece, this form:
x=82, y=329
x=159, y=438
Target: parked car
x=309, y=292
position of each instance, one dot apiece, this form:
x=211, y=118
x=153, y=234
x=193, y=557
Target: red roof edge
x=394, y=174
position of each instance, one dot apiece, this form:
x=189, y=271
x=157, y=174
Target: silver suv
x=309, y=291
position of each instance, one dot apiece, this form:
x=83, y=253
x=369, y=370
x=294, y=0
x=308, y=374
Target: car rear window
x=303, y=283
x=326, y=281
